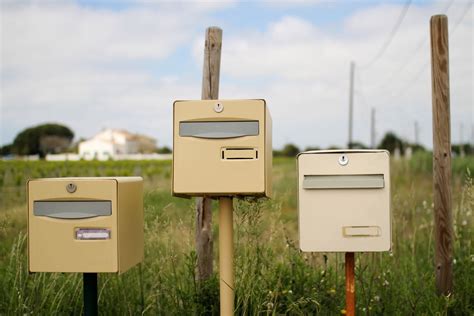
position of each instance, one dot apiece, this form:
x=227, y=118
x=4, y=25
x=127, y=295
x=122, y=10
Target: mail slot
x=344, y=201
x=222, y=147
x=85, y=224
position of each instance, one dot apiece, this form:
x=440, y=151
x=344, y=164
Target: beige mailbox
x=85, y=224
x=344, y=201
x=222, y=147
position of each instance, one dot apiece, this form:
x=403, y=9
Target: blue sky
x=92, y=65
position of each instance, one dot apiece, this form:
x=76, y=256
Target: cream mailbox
x=344, y=201
x=222, y=147
x=85, y=224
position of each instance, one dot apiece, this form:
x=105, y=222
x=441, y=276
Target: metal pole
x=351, y=102
x=90, y=294
x=226, y=256
x=350, y=284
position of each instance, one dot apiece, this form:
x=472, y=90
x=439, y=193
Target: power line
x=422, y=42
x=389, y=39
x=417, y=76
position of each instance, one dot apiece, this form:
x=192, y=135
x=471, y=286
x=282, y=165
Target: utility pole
x=461, y=140
x=351, y=102
x=417, y=140
x=372, y=129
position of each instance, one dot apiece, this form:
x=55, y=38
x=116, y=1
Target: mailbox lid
x=344, y=207
x=53, y=245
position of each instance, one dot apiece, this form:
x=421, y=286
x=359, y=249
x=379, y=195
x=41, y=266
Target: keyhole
x=343, y=160
x=71, y=188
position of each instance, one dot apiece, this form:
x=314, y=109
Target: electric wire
x=389, y=39
x=417, y=48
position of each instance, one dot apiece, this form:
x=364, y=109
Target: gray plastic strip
x=72, y=209
x=373, y=181
x=221, y=129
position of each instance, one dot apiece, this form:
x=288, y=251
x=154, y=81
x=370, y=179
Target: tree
x=6, y=150
x=164, y=150
x=358, y=145
x=391, y=141
x=42, y=139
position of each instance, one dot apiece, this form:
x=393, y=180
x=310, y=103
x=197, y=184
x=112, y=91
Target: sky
x=120, y=64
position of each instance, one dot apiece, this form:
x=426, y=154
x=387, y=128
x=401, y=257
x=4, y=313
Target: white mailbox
x=344, y=201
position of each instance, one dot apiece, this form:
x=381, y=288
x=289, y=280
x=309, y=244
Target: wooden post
x=441, y=154
x=226, y=256
x=210, y=91
x=350, y=284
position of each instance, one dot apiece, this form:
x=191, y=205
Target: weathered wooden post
x=441, y=154
x=210, y=91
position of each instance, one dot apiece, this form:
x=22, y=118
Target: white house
x=111, y=144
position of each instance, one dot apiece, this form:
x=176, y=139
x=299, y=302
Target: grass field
x=272, y=275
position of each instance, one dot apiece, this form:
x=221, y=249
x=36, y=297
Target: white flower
x=377, y=298
x=385, y=283
x=290, y=291
x=269, y=305
x=464, y=223
x=454, y=261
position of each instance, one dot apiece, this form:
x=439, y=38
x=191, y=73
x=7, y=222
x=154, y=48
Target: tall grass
x=272, y=275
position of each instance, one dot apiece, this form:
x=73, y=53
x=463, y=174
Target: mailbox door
x=218, y=153
x=72, y=232
x=344, y=208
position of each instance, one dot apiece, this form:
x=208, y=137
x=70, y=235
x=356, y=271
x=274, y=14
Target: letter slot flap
x=373, y=181
x=218, y=129
x=72, y=209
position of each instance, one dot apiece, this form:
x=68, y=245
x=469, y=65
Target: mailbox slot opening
x=72, y=209
x=361, y=231
x=239, y=153
x=218, y=129
x=355, y=181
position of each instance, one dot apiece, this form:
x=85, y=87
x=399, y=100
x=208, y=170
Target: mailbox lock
x=218, y=108
x=71, y=187
x=343, y=160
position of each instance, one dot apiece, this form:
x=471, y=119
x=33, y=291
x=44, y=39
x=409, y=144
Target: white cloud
x=89, y=67
x=306, y=74
x=94, y=67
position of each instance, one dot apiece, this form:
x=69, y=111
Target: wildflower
x=270, y=292
x=464, y=223
x=290, y=291
x=425, y=204
x=385, y=283
x=269, y=305
x=454, y=261
x=364, y=309
x=332, y=291
x=343, y=311
x=376, y=298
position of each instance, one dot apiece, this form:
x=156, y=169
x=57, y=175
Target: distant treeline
x=390, y=142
